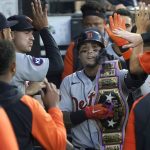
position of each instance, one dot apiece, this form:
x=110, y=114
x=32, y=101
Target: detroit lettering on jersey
x=37, y=61
x=81, y=104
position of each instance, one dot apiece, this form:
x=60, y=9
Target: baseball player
x=137, y=130
x=31, y=68
x=92, y=17
x=86, y=93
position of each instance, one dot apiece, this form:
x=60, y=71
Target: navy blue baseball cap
x=4, y=23
x=90, y=34
x=24, y=23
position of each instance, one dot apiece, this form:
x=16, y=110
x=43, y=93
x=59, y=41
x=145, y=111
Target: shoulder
x=144, y=102
x=30, y=102
x=141, y=107
x=28, y=59
x=74, y=77
x=142, y=111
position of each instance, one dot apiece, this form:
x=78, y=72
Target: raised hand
x=142, y=20
x=133, y=38
x=116, y=23
x=40, y=19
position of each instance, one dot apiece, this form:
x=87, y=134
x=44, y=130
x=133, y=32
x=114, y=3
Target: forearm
x=74, y=118
x=135, y=67
x=133, y=81
x=52, y=52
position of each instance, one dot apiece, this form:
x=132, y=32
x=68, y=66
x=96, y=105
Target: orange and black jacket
x=30, y=121
x=71, y=62
x=7, y=137
x=138, y=127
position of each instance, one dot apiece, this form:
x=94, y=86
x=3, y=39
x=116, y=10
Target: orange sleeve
x=144, y=60
x=7, y=136
x=68, y=61
x=47, y=128
x=130, y=139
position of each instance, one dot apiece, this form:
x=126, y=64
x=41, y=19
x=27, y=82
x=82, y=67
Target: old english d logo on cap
x=89, y=35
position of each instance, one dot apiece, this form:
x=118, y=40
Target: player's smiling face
x=88, y=53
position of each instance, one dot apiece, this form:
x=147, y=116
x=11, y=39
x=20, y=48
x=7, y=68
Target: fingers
x=45, y=10
x=108, y=30
x=142, y=9
x=116, y=20
x=50, y=86
x=45, y=80
x=33, y=9
x=42, y=94
x=36, y=7
x=148, y=8
x=42, y=85
x=111, y=22
x=128, y=45
x=120, y=32
x=119, y=20
x=146, y=11
x=39, y=6
x=123, y=25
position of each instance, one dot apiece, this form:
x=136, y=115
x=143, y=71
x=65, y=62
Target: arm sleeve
x=68, y=61
x=5, y=131
x=47, y=128
x=130, y=139
x=29, y=68
x=66, y=105
x=146, y=37
x=133, y=82
x=52, y=53
x=78, y=117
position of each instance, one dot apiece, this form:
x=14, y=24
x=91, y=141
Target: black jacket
x=21, y=120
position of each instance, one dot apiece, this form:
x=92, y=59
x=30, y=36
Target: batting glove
x=115, y=23
x=97, y=111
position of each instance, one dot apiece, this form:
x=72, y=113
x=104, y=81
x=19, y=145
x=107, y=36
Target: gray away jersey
x=77, y=91
x=29, y=68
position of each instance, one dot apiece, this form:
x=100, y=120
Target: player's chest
x=84, y=94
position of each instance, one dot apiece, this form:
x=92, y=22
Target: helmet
x=91, y=34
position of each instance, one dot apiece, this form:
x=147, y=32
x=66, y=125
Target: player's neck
x=91, y=72
x=5, y=78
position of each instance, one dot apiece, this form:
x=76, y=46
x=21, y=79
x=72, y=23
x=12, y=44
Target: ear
x=79, y=56
x=13, y=68
x=7, y=34
x=12, y=35
x=2, y=35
